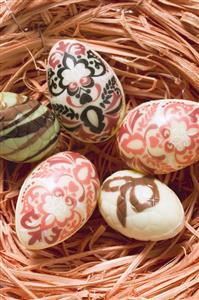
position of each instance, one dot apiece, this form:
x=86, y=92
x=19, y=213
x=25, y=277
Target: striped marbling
x=28, y=130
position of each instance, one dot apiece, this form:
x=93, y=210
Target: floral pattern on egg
x=86, y=94
x=56, y=199
x=160, y=136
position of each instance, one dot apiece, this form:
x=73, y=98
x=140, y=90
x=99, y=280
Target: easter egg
x=28, y=130
x=56, y=200
x=85, y=92
x=140, y=207
x=160, y=136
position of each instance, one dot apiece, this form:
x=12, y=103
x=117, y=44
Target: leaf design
x=108, y=90
x=64, y=110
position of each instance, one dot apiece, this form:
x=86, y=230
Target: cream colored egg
x=140, y=207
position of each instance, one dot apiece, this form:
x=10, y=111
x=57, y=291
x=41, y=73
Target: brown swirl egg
x=140, y=207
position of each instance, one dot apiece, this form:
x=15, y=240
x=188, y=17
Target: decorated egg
x=28, y=130
x=160, y=136
x=140, y=207
x=85, y=92
x=56, y=200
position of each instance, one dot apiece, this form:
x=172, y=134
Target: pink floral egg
x=86, y=94
x=56, y=200
x=160, y=136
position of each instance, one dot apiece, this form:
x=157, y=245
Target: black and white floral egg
x=85, y=92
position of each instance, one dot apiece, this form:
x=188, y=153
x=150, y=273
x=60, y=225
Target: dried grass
x=153, y=47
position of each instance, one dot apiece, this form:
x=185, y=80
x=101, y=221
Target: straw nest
x=153, y=46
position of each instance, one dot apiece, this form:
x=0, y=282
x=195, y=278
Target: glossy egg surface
x=56, y=200
x=140, y=207
x=85, y=92
x=28, y=130
x=160, y=136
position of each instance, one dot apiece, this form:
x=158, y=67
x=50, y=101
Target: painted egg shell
x=56, y=199
x=86, y=94
x=28, y=130
x=140, y=207
x=160, y=136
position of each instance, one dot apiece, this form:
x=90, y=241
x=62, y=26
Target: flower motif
x=55, y=207
x=46, y=219
x=76, y=77
x=179, y=136
x=132, y=144
x=83, y=172
x=73, y=71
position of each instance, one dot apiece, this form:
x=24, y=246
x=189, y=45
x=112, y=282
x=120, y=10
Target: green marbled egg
x=28, y=130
